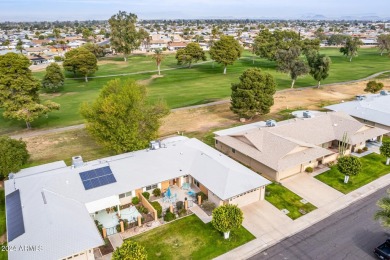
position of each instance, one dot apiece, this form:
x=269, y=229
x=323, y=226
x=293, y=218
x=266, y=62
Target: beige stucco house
x=289, y=147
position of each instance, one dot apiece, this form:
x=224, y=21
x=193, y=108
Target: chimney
x=77, y=161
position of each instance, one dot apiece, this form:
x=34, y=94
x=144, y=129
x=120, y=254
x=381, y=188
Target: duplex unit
x=279, y=150
x=369, y=109
x=52, y=207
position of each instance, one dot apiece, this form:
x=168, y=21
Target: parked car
x=383, y=251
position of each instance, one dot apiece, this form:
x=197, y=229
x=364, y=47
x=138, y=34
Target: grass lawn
x=190, y=238
x=184, y=87
x=283, y=198
x=373, y=168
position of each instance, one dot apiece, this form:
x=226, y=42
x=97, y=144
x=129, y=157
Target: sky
x=40, y=10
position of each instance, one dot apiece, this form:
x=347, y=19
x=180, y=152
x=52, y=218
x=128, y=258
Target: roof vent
x=384, y=93
x=308, y=114
x=270, y=123
x=154, y=145
x=77, y=161
x=11, y=176
x=360, y=97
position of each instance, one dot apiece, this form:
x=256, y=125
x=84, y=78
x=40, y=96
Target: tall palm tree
x=383, y=214
x=158, y=57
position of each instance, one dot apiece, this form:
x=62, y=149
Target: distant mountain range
x=360, y=17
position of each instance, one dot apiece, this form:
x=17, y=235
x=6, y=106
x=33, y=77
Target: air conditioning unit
x=308, y=114
x=154, y=145
x=270, y=123
x=360, y=97
x=384, y=93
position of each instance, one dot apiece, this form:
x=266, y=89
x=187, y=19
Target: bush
x=182, y=212
x=365, y=148
x=58, y=58
x=179, y=205
x=157, y=192
x=125, y=223
x=309, y=169
x=201, y=193
x=169, y=216
x=359, y=150
x=118, y=228
x=209, y=206
x=135, y=200
x=142, y=209
x=157, y=207
x=146, y=195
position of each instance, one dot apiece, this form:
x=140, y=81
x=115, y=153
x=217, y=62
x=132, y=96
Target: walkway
x=314, y=191
x=258, y=245
x=200, y=213
x=116, y=240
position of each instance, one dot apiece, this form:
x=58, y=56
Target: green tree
x=19, y=46
x=268, y=43
x=373, y=86
x=6, y=43
x=383, y=213
x=383, y=43
x=19, y=95
x=86, y=34
x=158, y=57
x=96, y=49
x=319, y=65
x=124, y=35
x=57, y=32
x=350, y=48
x=227, y=218
x=336, y=39
x=80, y=60
x=319, y=34
x=192, y=53
x=130, y=250
x=53, y=79
x=385, y=151
x=13, y=155
x=349, y=165
x=288, y=61
x=121, y=118
x=225, y=51
x=253, y=95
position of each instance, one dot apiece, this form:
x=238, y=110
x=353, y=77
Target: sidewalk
x=290, y=229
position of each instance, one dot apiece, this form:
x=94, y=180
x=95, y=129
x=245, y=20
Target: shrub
x=182, y=212
x=157, y=207
x=58, y=58
x=169, y=216
x=125, y=223
x=142, y=209
x=201, y=193
x=157, y=192
x=209, y=206
x=118, y=228
x=365, y=148
x=359, y=150
x=179, y=205
x=309, y=169
x=146, y=195
x=135, y=200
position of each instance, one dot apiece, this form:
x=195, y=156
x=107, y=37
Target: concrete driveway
x=265, y=221
x=311, y=189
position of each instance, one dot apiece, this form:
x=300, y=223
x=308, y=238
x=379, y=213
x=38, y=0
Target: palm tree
x=158, y=57
x=383, y=214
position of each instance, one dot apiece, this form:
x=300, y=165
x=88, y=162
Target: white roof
x=374, y=108
x=64, y=225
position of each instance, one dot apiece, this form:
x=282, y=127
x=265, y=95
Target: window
x=124, y=195
x=151, y=187
x=196, y=183
x=233, y=150
x=216, y=141
x=128, y=194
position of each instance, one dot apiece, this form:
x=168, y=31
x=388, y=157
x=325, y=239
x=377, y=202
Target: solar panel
x=97, y=177
x=15, y=224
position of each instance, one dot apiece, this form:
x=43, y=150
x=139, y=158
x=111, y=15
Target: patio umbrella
x=169, y=192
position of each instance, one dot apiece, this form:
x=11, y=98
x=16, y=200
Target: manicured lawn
x=373, y=168
x=190, y=238
x=283, y=198
x=184, y=87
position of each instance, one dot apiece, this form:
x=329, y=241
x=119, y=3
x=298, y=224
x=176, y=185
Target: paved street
x=348, y=234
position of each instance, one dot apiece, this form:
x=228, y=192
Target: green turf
x=190, y=238
x=184, y=87
x=373, y=168
x=283, y=198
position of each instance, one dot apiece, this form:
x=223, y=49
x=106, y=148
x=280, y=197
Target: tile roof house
x=53, y=206
x=291, y=146
x=369, y=109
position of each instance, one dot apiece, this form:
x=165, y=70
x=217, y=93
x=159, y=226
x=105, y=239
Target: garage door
x=289, y=172
x=246, y=199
